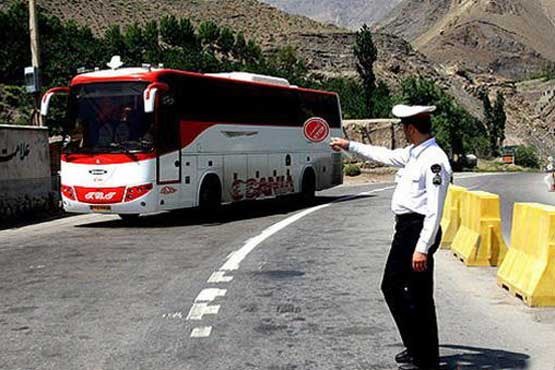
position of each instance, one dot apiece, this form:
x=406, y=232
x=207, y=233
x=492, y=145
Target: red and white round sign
x=316, y=130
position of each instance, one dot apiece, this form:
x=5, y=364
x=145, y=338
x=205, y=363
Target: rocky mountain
x=510, y=38
x=328, y=50
x=254, y=18
x=350, y=14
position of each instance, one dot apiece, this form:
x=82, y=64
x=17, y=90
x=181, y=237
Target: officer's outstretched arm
x=394, y=158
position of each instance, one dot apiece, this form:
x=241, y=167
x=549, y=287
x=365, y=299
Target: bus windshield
x=110, y=117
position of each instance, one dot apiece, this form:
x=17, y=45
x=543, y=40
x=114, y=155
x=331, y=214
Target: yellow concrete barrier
x=528, y=271
x=479, y=241
x=451, y=219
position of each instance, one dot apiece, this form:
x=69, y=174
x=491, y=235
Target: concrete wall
x=381, y=132
x=25, y=178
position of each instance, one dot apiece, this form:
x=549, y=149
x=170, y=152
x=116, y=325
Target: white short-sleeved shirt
x=422, y=182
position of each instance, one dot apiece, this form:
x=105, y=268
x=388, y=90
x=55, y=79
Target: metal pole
x=35, y=56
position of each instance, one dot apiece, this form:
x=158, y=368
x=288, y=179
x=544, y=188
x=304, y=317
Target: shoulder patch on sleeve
x=437, y=180
x=436, y=168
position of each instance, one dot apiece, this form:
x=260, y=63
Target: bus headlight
x=134, y=192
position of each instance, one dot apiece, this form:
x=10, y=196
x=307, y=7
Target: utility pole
x=35, y=58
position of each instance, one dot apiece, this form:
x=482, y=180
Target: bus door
x=168, y=158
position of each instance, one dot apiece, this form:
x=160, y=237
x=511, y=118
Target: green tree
x=113, y=42
x=351, y=94
x=382, y=101
x=366, y=55
x=240, y=48
x=170, y=30
x=135, y=44
x=489, y=122
x=253, y=53
x=226, y=40
x=500, y=121
x=152, y=52
x=455, y=129
x=495, y=120
x=15, y=105
x=209, y=33
x=285, y=63
x=14, y=38
x=70, y=46
x=188, y=38
x=527, y=156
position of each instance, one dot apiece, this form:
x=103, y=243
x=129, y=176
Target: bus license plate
x=101, y=209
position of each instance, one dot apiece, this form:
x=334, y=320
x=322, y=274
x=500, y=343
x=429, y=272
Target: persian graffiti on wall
x=21, y=151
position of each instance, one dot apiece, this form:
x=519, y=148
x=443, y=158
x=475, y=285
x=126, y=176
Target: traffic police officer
x=417, y=203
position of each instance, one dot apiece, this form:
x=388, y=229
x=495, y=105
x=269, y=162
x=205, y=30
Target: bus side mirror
x=150, y=93
x=45, y=102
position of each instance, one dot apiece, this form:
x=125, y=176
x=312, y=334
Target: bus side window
x=168, y=133
x=324, y=106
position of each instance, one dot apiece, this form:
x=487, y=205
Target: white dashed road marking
x=202, y=332
x=198, y=310
x=208, y=295
x=234, y=259
x=219, y=277
x=175, y=315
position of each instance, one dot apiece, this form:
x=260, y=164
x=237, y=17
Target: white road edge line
x=198, y=310
x=238, y=256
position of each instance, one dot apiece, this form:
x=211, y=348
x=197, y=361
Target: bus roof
x=153, y=75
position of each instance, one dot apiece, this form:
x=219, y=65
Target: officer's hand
x=419, y=262
x=338, y=144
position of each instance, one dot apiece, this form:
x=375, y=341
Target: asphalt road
x=264, y=285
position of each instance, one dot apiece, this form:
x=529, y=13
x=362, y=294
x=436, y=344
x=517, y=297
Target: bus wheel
x=129, y=218
x=210, y=196
x=308, y=187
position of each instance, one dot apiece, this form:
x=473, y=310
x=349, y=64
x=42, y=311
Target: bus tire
x=210, y=195
x=308, y=186
x=129, y=218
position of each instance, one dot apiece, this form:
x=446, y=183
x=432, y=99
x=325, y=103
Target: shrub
x=352, y=170
x=527, y=156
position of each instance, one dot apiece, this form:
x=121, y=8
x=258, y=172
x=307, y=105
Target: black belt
x=408, y=217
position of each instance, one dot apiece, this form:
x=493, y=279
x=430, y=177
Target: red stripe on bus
x=107, y=158
x=190, y=130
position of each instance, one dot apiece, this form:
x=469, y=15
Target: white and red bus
x=148, y=140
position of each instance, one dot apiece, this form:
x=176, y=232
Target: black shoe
x=415, y=367
x=403, y=357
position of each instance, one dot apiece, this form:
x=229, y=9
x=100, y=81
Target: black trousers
x=409, y=294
